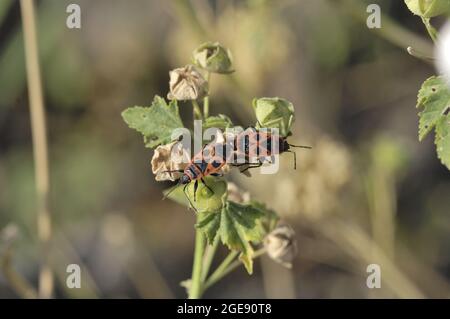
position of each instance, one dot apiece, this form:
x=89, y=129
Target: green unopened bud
x=428, y=8
x=213, y=57
x=274, y=112
x=187, y=84
x=208, y=199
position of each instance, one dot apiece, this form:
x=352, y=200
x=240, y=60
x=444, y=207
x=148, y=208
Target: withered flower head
x=281, y=245
x=167, y=159
x=187, y=83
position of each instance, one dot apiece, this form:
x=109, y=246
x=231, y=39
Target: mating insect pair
x=249, y=149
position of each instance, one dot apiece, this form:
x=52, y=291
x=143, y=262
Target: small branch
x=228, y=265
x=419, y=55
x=38, y=129
x=209, y=257
x=391, y=31
x=217, y=274
x=17, y=282
x=430, y=29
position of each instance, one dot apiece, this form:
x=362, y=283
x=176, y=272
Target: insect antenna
x=300, y=146
x=295, y=158
x=173, y=171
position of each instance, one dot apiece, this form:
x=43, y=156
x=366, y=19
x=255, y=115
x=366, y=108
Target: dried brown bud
x=187, y=83
x=281, y=245
x=170, y=157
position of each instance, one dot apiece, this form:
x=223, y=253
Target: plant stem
x=195, y=291
x=38, y=129
x=431, y=30
x=197, y=111
x=218, y=273
x=17, y=282
x=209, y=256
x=206, y=98
x=228, y=266
x=391, y=31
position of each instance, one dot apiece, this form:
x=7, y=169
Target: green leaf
x=428, y=8
x=220, y=121
x=434, y=100
x=443, y=140
x=237, y=225
x=156, y=123
x=269, y=220
x=209, y=224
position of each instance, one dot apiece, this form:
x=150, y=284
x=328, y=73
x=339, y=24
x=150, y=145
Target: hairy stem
x=195, y=291
x=38, y=129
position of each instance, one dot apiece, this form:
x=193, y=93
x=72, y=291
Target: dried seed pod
x=281, y=245
x=187, y=83
x=213, y=57
x=170, y=157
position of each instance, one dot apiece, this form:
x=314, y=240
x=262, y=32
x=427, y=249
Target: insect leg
x=216, y=174
x=186, y=194
x=295, y=158
x=203, y=181
x=251, y=166
x=195, y=189
x=174, y=171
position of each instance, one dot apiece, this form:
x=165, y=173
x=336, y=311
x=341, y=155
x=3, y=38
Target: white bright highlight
x=443, y=51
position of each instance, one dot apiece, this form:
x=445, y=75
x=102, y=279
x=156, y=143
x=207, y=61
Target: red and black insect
x=209, y=161
x=255, y=147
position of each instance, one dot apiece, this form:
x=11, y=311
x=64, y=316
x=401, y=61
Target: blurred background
x=368, y=192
